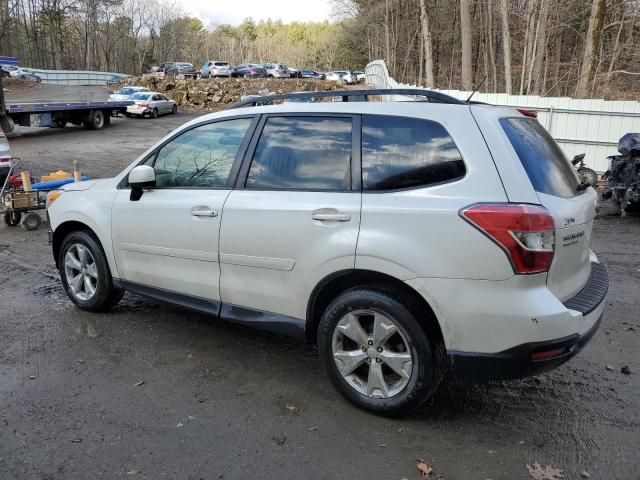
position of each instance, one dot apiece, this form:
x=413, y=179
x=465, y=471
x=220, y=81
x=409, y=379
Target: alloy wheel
x=372, y=354
x=81, y=272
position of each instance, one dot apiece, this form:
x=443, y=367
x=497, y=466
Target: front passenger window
x=201, y=157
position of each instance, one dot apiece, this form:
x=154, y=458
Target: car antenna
x=477, y=88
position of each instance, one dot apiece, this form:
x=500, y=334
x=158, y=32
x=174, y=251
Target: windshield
x=548, y=169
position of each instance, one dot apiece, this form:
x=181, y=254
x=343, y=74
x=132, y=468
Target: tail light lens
x=526, y=233
x=143, y=105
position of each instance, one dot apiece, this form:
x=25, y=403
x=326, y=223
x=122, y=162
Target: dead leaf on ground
x=424, y=468
x=132, y=472
x=292, y=408
x=546, y=473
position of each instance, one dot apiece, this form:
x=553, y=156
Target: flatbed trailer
x=93, y=115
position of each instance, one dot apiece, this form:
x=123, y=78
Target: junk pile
x=623, y=176
x=217, y=93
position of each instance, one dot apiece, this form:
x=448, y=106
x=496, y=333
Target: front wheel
x=154, y=113
x=376, y=353
x=85, y=273
x=174, y=109
x=588, y=175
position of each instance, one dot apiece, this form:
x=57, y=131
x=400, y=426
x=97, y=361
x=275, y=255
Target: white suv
x=408, y=239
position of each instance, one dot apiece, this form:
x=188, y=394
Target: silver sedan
x=151, y=104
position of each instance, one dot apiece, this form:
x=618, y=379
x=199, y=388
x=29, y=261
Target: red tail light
x=526, y=233
x=143, y=105
x=528, y=112
x=5, y=159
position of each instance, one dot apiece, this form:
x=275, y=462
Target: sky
x=215, y=12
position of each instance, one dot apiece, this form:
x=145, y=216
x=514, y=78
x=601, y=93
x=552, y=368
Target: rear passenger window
x=303, y=153
x=400, y=152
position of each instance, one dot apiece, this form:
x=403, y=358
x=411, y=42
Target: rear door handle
x=331, y=217
x=202, y=211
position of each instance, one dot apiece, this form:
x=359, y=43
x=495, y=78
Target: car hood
x=79, y=186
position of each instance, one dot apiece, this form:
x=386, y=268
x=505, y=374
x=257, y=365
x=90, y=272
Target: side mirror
x=142, y=176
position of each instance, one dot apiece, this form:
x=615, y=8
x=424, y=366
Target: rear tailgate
x=553, y=183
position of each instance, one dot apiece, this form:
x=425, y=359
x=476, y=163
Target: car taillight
x=144, y=105
x=526, y=233
x=5, y=159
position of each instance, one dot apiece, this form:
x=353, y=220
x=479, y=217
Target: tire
x=96, y=120
x=7, y=124
x=246, y=75
x=174, y=109
x=12, y=219
x=588, y=175
x=30, y=221
x=60, y=123
x=154, y=113
x=404, y=393
x=105, y=295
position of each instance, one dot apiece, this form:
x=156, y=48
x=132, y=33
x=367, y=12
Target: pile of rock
x=217, y=93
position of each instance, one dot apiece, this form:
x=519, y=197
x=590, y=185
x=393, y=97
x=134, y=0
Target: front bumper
x=540, y=356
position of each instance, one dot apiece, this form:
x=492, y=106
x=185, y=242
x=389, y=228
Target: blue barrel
x=55, y=183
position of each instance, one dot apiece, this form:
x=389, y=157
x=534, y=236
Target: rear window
x=140, y=96
x=548, y=169
x=402, y=152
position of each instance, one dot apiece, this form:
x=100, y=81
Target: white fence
x=77, y=77
x=589, y=126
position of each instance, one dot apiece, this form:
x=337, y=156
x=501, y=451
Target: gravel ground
x=154, y=391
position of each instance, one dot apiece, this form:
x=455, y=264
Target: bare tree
x=466, y=47
x=506, y=44
x=591, y=48
x=428, y=46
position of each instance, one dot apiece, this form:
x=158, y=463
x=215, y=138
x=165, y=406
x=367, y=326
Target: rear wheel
x=376, y=353
x=30, y=221
x=85, y=273
x=95, y=121
x=174, y=109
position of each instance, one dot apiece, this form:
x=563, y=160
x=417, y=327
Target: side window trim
x=235, y=168
x=355, y=181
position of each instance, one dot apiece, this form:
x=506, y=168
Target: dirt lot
x=153, y=391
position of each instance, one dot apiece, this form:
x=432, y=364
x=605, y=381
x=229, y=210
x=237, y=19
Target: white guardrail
x=77, y=77
x=590, y=126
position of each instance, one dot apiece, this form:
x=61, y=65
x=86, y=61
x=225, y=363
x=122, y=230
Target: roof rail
x=348, y=96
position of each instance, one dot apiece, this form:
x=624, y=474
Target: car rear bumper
x=513, y=328
x=138, y=111
x=521, y=361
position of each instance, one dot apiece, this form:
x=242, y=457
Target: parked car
x=5, y=70
x=342, y=76
x=5, y=159
x=308, y=73
x=248, y=70
x=215, y=68
x=360, y=76
x=277, y=70
x=150, y=104
x=125, y=93
x=24, y=74
x=181, y=69
x=294, y=73
x=458, y=244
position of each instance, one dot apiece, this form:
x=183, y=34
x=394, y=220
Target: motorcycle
x=586, y=174
x=623, y=176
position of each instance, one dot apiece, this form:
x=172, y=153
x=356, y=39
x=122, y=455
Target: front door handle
x=203, y=211
x=331, y=217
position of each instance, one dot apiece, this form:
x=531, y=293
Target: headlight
x=52, y=196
